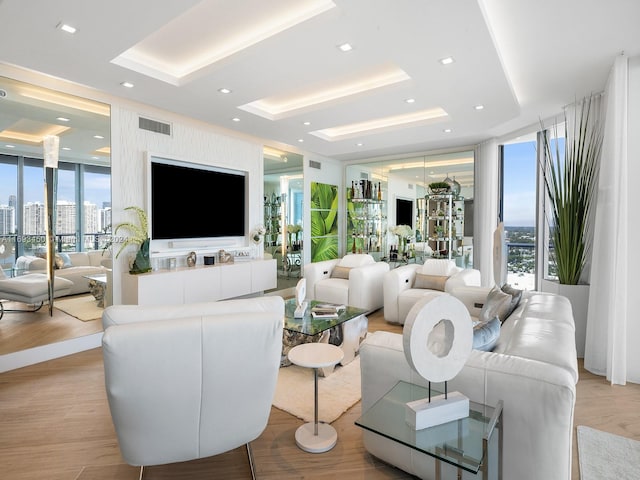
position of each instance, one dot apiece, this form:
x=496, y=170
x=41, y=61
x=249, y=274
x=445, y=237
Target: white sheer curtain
x=608, y=317
x=485, y=209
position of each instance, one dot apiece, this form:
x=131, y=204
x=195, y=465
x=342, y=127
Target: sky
x=520, y=184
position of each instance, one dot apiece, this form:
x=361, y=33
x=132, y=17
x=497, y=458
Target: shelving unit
x=444, y=214
x=272, y=236
x=367, y=226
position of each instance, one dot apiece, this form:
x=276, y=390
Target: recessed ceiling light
x=66, y=28
x=66, y=148
x=10, y=146
x=224, y=90
x=410, y=100
x=98, y=137
x=235, y=119
x=447, y=130
x=306, y=123
x=300, y=140
x=62, y=119
x=359, y=144
x=446, y=60
x=345, y=47
x=479, y=107
x=94, y=158
x=127, y=84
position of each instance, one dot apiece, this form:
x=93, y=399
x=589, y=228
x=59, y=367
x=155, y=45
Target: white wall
x=190, y=141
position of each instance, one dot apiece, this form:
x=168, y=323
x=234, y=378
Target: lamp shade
x=51, y=145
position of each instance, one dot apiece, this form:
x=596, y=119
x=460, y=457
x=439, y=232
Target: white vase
x=578, y=295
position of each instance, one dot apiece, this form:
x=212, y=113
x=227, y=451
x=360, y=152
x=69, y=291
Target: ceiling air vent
x=364, y=175
x=314, y=164
x=154, y=126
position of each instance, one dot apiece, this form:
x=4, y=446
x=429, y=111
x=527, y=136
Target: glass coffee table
x=97, y=287
x=346, y=330
x=462, y=443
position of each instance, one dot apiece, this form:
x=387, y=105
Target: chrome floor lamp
x=51, y=145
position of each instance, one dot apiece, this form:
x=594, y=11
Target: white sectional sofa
x=77, y=265
x=405, y=285
x=532, y=369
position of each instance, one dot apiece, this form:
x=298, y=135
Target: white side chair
x=191, y=381
x=355, y=280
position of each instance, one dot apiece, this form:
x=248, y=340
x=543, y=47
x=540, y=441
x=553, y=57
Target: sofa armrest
x=462, y=278
x=366, y=285
x=395, y=282
x=473, y=297
x=314, y=272
x=31, y=263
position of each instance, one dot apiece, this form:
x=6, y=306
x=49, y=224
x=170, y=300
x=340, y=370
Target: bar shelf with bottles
x=367, y=219
x=444, y=214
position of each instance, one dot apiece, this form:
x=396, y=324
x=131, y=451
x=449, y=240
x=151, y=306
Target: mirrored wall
x=395, y=211
x=283, y=214
x=82, y=193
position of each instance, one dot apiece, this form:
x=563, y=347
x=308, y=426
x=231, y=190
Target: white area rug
x=336, y=393
x=605, y=456
x=83, y=308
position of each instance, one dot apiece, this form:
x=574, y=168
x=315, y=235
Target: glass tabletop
x=459, y=443
x=312, y=326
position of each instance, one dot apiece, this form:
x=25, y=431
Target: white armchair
x=191, y=381
x=404, y=286
x=355, y=280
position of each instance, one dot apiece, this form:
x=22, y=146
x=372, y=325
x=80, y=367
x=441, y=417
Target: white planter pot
x=578, y=295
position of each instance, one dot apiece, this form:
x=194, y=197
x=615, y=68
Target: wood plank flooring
x=55, y=424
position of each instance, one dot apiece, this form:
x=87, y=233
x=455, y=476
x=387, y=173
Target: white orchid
x=402, y=231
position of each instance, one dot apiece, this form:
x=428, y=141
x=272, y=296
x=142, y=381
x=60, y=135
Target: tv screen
x=189, y=201
x=404, y=212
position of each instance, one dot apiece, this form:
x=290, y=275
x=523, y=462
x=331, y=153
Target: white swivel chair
x=355, y=280
x=191, y=381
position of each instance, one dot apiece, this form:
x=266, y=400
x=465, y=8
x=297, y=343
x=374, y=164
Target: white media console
x=201, y=283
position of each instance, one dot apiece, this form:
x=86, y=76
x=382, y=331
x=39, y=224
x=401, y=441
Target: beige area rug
x=83, y=308
x=336, y=393
x=605, y=456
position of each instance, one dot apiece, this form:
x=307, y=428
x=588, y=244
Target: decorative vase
x=402, y=243
x=142, y=263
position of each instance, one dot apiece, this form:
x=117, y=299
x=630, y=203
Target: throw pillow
x=486, y=334
x=432, y=282
x=497, y=304
x=438, y=266
x=516, y=295
x=66, y=260
x=340, y=272
x=58, y=262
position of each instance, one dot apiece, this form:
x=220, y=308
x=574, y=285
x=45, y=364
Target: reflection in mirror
x=283, y=214
x=436, y=231
x=82, y=214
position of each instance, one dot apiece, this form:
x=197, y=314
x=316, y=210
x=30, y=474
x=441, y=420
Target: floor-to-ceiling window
x=519, y=210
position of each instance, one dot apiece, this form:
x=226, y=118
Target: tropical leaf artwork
x=324, y=222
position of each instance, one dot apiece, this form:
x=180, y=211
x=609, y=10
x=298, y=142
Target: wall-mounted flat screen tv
x=195, y=201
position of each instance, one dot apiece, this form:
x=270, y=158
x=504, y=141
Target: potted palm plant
x=570, y=179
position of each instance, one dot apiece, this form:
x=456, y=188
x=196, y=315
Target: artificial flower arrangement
x=402, y=231
x=257, y=234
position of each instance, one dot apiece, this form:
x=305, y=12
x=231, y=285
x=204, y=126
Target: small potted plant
x=439, y=188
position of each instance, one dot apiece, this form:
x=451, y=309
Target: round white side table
x=316, y=437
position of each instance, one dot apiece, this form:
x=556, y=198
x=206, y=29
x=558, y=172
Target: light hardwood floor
x=55, y=424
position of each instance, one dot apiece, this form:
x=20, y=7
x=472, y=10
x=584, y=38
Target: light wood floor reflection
x=55, y=424
x=20, y=331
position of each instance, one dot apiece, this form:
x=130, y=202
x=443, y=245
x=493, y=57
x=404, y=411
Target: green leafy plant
x=570, y=179
x=434, y=185
x=324, y=222
x=138, y=235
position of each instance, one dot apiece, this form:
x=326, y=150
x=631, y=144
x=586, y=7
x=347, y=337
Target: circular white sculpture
x=301, y=291
x=438, y=337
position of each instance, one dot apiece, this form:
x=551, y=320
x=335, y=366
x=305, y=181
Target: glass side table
x=462, y=443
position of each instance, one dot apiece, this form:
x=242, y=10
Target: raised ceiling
x=290, y=83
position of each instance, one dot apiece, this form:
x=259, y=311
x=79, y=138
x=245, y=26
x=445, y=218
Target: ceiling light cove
x=207, y=33
x=276, y=108
x=395, y=122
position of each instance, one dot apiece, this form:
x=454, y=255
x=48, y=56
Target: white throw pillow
x=356, y=260
x=438, y=266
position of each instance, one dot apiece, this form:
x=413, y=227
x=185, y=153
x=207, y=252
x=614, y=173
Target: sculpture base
x=424, y=413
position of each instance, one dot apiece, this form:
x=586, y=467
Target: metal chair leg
x=141, y=472
x=253, y=472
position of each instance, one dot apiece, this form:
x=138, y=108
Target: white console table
x=201, y=283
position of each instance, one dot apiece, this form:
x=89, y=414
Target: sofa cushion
x=516, y=295
x=356, y=260
x=438, y=266
x=432, y=282
x=486, y=334
x=62, y=260
x=340, y=272
x=497, y=304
